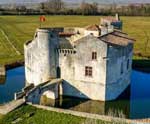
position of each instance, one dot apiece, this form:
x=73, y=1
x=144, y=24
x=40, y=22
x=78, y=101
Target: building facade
x=92, y=64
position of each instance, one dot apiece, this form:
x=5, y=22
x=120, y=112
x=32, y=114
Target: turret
x=117, y=17
x=112, y=21
x=40, y=57
x=47, y=48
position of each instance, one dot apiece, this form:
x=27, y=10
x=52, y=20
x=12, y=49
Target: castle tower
x=117, y=17
x=112, y=21
x=40, y=56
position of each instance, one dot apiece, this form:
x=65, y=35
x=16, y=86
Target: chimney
x=117, y=17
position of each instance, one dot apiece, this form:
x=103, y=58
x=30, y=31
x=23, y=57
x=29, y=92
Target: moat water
x=137, y=106
x=13, y=82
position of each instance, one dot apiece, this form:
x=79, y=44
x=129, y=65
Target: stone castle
x=94, y=62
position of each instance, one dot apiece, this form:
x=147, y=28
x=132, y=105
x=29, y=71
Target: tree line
x=58, y=7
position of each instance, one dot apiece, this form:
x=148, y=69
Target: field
x=30, y=115
x=15, y=30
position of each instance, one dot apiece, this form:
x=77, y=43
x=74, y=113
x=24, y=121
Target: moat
x=136, y=107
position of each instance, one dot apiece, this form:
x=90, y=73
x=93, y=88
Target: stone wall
x=119, y=68
x=73, y=69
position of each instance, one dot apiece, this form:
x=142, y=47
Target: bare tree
x=21, y=8
x=89, y=9
x=55, y=5
x=42, y=6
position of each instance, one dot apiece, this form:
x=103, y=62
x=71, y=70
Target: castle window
x=128, y=64
x=68, y=51
x=88, y=71
x=94, y=55
x=51, y=35
x=121, y=68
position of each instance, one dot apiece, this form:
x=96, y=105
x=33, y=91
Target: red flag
x=42, y=19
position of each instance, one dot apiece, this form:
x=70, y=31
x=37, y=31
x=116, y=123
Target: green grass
x=21, y=28
x=31, y=115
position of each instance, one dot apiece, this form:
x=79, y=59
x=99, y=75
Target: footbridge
x=33, y=94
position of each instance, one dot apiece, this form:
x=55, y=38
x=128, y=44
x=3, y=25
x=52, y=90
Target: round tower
x=41, y=60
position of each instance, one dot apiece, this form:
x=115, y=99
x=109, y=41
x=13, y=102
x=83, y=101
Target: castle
x=94, y=62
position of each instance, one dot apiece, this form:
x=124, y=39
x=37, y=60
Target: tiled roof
x=117, y=38
x=65, y=34
x=65, y=44
x=121, y=34
x=93, y=28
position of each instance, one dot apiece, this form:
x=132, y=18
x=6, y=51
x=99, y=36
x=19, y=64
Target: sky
x=99, y=1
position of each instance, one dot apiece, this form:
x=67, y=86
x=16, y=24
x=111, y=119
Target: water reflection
x=138, y=106
x=140, y=95
x=13, y=82
x=119, y=108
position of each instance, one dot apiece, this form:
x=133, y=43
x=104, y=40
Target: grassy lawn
x=30, y=115
x=19, y=29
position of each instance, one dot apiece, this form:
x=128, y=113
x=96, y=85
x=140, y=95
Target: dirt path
x=4, y=109
x=5, y=35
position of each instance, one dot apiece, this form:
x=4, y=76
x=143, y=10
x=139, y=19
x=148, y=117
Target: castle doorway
x=58, y=72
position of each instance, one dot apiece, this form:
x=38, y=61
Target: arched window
x=74, y=52
x=66, y=51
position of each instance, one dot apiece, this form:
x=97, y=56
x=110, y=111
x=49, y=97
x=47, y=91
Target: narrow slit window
x=128, y=62
x=121, y=68
x=94, y=55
